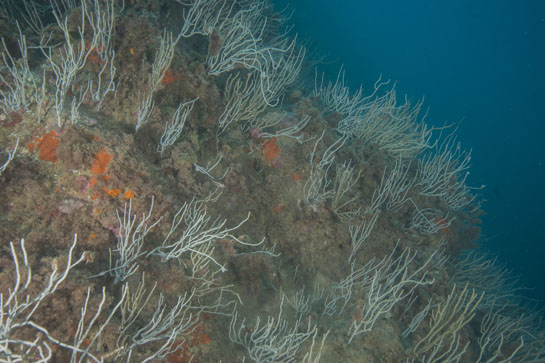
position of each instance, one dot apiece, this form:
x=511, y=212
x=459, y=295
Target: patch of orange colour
x=15, y=117
x=279, y=208
x=95, y=49
x=131, y=50
x=443, y=223
x=102, y=159
x=96, y=138
x=112, y=192
x=296, y=176
x=92, y=182
x=180, y=353
x=170, y=77
x=106, y=177
x=92, y=236
x=47, y=144
x=94, y=54
x=204, y=339
x=170, y=286
x=95, y=58
x=207, y=317
x=30, y=147
x=189, y=349
x=128, y=194
x=270, y=149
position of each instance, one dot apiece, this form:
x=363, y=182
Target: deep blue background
x=480, y=61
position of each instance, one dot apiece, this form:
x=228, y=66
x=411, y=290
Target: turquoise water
x=480, y=63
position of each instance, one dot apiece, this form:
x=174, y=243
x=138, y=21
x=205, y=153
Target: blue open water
x=482, y=62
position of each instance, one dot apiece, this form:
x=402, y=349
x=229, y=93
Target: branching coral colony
x=221, y=214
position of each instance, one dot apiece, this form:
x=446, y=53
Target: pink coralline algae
x=256, y=134
x=69, y=205
x=83, y=183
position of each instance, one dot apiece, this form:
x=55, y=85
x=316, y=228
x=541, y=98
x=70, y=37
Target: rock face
x=265, y=230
